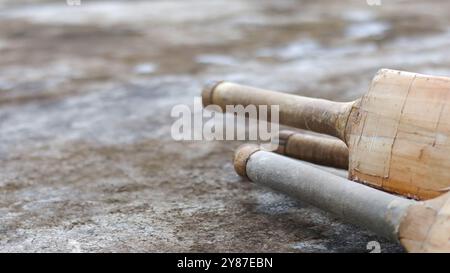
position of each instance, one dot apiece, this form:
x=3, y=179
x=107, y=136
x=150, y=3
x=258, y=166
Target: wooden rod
x=376, y=210
x=321, y=150
x=418, y=226
x=318, y=115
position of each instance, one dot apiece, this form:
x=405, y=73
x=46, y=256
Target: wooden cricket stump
x=398, y=133
x=419, y=226
x=321, y=150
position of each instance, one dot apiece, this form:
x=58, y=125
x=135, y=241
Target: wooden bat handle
x=318, y=115
x=319, y=150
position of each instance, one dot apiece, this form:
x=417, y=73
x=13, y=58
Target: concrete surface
x=86, y=158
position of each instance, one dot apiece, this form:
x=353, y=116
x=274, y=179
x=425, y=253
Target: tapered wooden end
x=207, y=93
x=316, y=149
x=398, y=135
x=283, y=138
x=242, y=156
x=426, y=226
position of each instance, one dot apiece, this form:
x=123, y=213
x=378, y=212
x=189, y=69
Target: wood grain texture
x=426, y=226
x=322, y=150
x=318, y=115
x=398, y=135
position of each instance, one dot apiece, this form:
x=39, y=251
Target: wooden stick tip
x=242, y=156
x=283, y=138
x=207, y=92
x=426, y=226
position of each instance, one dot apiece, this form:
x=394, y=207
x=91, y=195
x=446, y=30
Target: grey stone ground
x=86, y=158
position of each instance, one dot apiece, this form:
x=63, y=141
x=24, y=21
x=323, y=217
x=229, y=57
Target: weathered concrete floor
x=86, y=158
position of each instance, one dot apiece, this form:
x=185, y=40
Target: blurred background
x=87, y=162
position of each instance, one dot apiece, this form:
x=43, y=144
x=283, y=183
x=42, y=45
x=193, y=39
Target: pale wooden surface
x=426, y=227
x=399, y=134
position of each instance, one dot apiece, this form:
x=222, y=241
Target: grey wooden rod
x=376, y=210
